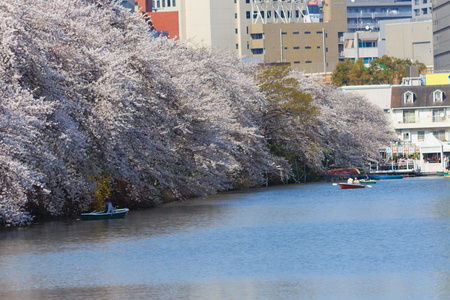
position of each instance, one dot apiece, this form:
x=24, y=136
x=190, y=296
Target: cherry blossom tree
x=88, y=96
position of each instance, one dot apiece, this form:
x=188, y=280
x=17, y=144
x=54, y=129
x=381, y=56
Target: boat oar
x=335, y=184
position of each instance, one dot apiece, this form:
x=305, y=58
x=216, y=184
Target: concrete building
x=441, y=34
x=421, y=9
x=310, y=47
x=267, y=31
x=379, y=94
x=366, y=14
x=407, y=39
x=361, y=45
x=212, y=23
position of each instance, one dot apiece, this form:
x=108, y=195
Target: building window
x=163, y=3
x=319, y=32
x=248, y=45
x=417, y=12
x=424, y=11
x=420, y=136
x=417, y=2
x=258, y=51
x=295, y=32
x=307, y=32
x=256, y=36
x=308, y=62
x=296, y=62
x=405, y=136
x=438, y=95
x=408, y=97
x=308, y=47
x=237, y=46
x=235, y=15
x=247, y=1
x=409, y=116
x=439, y=134
x=236, y=30
x=247, y=14
x=296, y=47
x=438, y=115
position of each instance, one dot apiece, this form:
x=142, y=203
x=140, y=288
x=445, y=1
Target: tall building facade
x=312, y=47
x=441, y=34
x=408, y=39
x=220, y=24
x=252, y=28
x=421, y=9
x=366, y=14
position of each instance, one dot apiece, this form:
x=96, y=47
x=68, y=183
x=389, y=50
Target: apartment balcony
x=379, y=15
x=256, y=44
x=423, y=124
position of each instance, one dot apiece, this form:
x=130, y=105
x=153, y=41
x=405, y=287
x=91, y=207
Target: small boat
x=377, y=177
x=117, y=214
x=441, y=173
x=365, y=181
x=346, y=186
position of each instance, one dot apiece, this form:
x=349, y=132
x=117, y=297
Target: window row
x=162, y=3
x=438, y=115
x=438, y=134
x=410, y=97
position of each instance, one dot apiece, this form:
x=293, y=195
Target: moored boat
x=346, y=186
x=365, y=181
x=377, y=177
x=117, y=214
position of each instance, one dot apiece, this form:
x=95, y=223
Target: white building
x=420, y=115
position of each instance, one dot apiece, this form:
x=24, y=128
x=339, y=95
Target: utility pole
x=324, y=52
x=281, y=43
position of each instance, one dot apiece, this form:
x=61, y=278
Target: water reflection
x=305, y=241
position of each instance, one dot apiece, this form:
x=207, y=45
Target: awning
x=431, y=145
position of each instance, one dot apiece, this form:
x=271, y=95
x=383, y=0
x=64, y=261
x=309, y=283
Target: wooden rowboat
x=386, y=177
x=346, y=186
x=365, y=181
x=117, y=214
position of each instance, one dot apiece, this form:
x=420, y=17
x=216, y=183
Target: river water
x=309, y=241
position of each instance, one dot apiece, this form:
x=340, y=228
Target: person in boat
x=356, y=181
x=109, y=209
x=367, y=177
x=350, y=180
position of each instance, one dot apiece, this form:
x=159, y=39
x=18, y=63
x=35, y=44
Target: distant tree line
x=92, y=106
x=383, y=70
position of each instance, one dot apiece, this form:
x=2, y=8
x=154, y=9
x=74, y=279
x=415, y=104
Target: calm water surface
x=391, y=241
